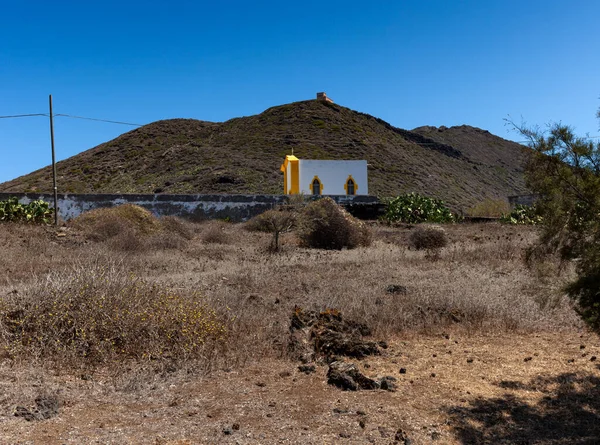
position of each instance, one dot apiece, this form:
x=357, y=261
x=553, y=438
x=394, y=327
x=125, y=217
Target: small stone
x=527, y=359
x=227, y=431
x=401, y=436
x=581, y=346
x=469, y=360
x=235, y=426
x=396, y=289
x=283, y=374
x=593, y=358
x=388, y=383
x=346, y=435
x=433, y=374
x=402, y=370
x=307, y=369
x=434, y=355
x=21, y=411
x=571, y=360
x=341, y=410
x=261, y=384
x=362, y=423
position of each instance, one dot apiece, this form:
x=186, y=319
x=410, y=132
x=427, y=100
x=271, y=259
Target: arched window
x=316, y=186
x=350, y=186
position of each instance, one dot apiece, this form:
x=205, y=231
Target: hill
x=462, y=165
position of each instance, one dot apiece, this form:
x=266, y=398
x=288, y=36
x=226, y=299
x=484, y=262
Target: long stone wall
x=195, y=207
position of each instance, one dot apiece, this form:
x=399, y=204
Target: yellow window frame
x=350, y=178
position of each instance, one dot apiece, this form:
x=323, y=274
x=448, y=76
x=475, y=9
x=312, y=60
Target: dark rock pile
x=326, y=337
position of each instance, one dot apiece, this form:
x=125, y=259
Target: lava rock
x=307, y=369
x=346, y=376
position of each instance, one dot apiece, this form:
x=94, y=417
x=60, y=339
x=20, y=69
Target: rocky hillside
x=462, y=165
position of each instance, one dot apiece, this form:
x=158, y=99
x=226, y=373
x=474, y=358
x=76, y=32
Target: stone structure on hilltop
x=323, y=97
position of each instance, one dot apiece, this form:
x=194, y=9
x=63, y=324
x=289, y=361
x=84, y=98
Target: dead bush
x=184, y=229
x=276, y=221
x=103, y=224
x=431, y=238
x=98, y=313
x=214, y=233
x=325, y=225
x=131, y=228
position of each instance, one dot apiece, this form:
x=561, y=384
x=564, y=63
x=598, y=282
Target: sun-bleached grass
x=477, y=284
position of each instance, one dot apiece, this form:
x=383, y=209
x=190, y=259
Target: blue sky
x=412, y=63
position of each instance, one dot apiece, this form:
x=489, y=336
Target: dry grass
x=425, y=237
x=215, y=232
x=99, y=313
x=477, y=284
x=477, y=292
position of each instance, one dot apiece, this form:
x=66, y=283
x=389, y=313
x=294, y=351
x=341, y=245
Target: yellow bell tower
x=291, y=175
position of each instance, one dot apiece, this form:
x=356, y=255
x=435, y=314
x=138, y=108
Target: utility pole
x=53, y=165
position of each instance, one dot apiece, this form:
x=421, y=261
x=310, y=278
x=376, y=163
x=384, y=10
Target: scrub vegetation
x=195, y=332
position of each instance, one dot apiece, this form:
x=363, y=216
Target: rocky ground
x=448, y=389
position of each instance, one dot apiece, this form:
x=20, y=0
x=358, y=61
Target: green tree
x=564, y=171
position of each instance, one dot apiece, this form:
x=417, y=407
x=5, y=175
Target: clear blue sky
x=412, y=63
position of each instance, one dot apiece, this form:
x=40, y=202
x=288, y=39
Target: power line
x=23, y=115
x=98, y=120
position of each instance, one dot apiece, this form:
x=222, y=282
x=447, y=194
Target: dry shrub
x=325, y=225
x=184, y=229
x=132, y=228
x=98, y=313
x=432, y=238
x=276, y=221
x=103, y=224
x=490, y=208
x=215, y=233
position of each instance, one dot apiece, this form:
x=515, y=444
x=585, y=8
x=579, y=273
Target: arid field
x=170, y=332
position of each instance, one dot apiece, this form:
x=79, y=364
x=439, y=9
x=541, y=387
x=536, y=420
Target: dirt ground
x=483, y=349
x=541, y=388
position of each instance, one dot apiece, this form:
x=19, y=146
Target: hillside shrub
x=323, y=224
x=414, y=208
x=100, y=313
x=522, y=214
x=36, y=212
x=489, y=208
x=428, y=238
